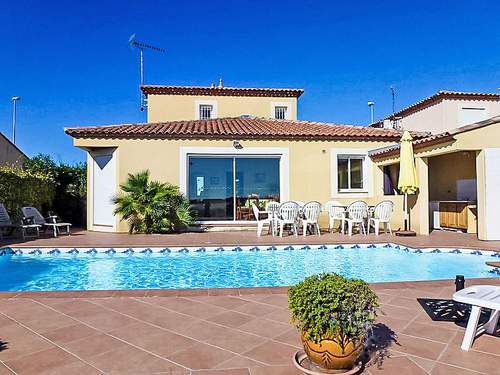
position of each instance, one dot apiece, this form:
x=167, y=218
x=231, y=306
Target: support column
x=420, y=212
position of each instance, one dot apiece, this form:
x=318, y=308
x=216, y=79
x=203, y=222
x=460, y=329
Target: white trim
x=197, y=104
x=367, y=191
x=184, y=152
x=288, y=106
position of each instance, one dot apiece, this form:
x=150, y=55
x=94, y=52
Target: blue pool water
x=251, y=267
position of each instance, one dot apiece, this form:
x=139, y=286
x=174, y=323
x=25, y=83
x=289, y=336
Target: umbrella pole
x=406, y=212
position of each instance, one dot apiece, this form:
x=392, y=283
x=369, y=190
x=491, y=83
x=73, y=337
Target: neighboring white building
x=444, y=111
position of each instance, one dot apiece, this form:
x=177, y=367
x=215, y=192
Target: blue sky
x=70, y=62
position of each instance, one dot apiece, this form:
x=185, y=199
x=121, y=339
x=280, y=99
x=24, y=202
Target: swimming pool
x=48, y=269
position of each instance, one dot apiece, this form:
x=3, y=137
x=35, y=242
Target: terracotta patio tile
x=396, y=312
x=290, y=337
x=153, y=339
x=18, y=341
x=403, y=301
x=41, y=361
x=5, y=371
x=49, y=322
x=107, y=321
x=73, y=368
x=426, y=364
x=231, y=319
x=227, y=302
x=397, y=366
x=189, y=307
x=201, y=330
x=265, y=328
x=23, y=309
x=272, y=353
x=241, y=371
x=69, y=333
x=484, y=343
x=201, y=356
x=472, y=360
x=256, y=309
x=235, y=341
x=280, y=300
x=426, y=331
x=93, y=345
x=442, y=369
x=423, y=317
x=130, y=359
x=275, y=370
x=279, y=315
x=238, y=361
x=166, y=319
x=418, y=347
x=78, y=308
x=396, y=325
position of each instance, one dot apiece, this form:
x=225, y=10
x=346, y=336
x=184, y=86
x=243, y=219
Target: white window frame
x=198, y=103
x=288, y=105
x=367, y=190
x=186, y=152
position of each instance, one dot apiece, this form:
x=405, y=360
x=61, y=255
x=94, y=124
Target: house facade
x=224, y=165
x=444, y=111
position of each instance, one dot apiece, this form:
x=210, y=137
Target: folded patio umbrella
x=408, y=181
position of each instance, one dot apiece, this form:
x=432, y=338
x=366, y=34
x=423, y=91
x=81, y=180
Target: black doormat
x=447, y=310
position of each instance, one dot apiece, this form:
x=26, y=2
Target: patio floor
x=81, y=238
x=242, y=333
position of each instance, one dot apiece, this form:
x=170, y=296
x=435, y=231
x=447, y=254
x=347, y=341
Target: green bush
x=329, y=305
x=20, y=187
x=70, y=187
x=152, y=206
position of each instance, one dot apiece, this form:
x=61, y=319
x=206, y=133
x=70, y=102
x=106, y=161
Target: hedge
x=20, y=187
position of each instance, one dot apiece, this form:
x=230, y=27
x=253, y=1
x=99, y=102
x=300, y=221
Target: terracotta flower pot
x=339, y=353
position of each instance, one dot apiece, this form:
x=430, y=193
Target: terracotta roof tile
x=220, y=91
x=238, y=128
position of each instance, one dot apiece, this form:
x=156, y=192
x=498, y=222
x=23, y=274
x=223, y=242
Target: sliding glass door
x=224, y=188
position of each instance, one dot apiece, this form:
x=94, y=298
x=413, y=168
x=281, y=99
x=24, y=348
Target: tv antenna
x=141, y=46
x=393, y=93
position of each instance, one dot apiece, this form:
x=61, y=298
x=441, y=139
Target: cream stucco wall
x=185, y=107
x=446, y=115
x=310, y=165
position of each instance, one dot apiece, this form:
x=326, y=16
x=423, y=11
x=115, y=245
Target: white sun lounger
x=50, y=222
x=6, y=223
x=479, y=296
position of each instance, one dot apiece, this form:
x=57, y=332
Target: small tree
x=152, y=206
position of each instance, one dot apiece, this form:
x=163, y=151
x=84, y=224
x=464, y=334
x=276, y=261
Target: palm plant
x=152, y=206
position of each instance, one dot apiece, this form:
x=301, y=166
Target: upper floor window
x=350, y=172
x=280, y=112
x=205, y=111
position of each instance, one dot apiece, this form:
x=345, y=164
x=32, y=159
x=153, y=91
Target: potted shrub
x=333, y=315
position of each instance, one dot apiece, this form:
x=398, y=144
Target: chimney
x=220, y=84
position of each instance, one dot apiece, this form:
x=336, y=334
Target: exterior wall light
x=237, y=145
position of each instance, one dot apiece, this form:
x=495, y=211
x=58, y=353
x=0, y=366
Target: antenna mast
x=141, y=46
x=393, y=93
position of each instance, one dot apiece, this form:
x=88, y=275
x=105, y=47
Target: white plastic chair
x=273, y=209
x=310, y=216
x=479, y=296
x=261, y=222
x=288, y=215
x=381, y=214
x=355, y=215
x=336, y=211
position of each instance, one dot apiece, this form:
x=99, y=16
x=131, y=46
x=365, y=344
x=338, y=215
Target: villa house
x=224, y=155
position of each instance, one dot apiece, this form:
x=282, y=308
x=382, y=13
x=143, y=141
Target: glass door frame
x=234, y=156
